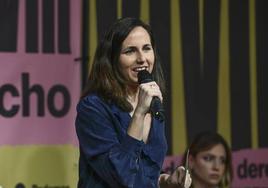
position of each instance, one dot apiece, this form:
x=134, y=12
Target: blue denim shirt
x=109, y=157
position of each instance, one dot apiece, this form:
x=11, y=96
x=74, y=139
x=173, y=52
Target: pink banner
x=40, y=81
x=250, y=168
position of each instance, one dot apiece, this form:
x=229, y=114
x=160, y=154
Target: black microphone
x=156, y=107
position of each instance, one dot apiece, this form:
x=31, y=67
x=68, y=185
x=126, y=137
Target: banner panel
x=38, y=166
x=40, y=84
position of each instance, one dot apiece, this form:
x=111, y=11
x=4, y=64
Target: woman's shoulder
x=90, y=100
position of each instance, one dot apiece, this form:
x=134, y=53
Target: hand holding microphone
x=156, y=107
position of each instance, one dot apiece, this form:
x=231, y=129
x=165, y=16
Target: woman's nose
x=216, y=164
x=141, y=57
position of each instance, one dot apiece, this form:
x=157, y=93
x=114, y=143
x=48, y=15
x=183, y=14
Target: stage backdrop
x=39, y=88
x=214, y=54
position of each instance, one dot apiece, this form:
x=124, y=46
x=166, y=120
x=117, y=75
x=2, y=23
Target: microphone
x=156, y=107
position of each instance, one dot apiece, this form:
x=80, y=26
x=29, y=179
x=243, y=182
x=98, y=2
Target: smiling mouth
x=138, y=69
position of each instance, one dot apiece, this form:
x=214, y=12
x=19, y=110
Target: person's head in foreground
x=127, y=47
x=210, y=162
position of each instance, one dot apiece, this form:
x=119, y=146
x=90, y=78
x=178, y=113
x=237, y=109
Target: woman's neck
x=132, y=97
x=132, y=93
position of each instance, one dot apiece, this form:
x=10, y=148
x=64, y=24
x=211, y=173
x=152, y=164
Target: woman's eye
x=129, y=51
x=223, y=160
x=147, y=48
x=207, y=158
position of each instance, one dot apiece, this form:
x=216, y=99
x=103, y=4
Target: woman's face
x=209, y=166
x=136, y=54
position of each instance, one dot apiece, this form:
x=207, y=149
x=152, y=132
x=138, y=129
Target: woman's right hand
x=178, y=179
x=146, y=92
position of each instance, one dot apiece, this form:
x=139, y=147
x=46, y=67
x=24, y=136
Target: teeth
x=139, y=69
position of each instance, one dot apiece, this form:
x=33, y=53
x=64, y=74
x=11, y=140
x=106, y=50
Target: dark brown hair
x=105, y=78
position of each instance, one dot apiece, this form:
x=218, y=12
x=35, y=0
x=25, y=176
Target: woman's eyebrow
x=128, y=47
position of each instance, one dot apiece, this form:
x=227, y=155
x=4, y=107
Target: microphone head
x=144, y=77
